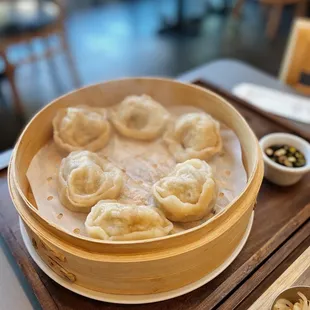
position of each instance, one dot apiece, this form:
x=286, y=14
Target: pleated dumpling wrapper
x=81, y=128
x=140, y=117
x=187, y=193
x=109, y=220
x=85, y=178
x=193, y=135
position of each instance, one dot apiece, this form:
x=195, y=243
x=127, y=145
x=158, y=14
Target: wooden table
x=281, y=232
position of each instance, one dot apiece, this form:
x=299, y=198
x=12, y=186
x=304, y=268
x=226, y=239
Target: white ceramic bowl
x=277, y=173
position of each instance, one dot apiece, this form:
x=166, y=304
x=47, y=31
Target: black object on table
x=222, y=9
x=2, y=78
x=182, y=25
x=191, y=26
x=17, y=21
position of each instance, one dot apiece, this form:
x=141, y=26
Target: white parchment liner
x=143, y=163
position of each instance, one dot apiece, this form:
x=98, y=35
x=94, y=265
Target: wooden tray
x=281, y=231
x=298, y=274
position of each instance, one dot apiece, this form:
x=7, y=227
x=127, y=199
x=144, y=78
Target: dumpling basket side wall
x=147, y=266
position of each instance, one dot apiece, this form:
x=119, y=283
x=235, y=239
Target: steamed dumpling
x=109, y=220
x=194, y=135
x=81, y=128
x=85, y=178
x=186, y=194
x=140, y=117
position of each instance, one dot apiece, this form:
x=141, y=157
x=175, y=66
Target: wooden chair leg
x=51, y=62
x=301, y=8
x=70, y=61
x=237, y=8
x=10, y=74
x=274, y=20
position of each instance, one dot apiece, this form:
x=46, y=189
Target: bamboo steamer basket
x=146, y=266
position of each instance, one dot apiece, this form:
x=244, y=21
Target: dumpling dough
x=81, y=128
x=140, y=117
x=85, y=178
x=109, y=220
x=187, y=193
x=193, y=135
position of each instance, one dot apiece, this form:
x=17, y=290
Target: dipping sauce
x=286, y=155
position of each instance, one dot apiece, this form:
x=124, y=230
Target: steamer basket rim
x=150, y=79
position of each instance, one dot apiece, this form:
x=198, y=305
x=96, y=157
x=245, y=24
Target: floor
x=15, y=292
x=112, y=39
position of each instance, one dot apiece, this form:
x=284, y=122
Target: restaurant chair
x=275, y=10
x=22, y=21
x=295, y=68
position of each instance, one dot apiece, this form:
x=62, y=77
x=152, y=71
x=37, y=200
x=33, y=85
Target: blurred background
x=48, y=48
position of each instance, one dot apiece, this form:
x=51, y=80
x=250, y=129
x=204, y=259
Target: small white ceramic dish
x=291, y=294
x=133, y=299
x=277, y=173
